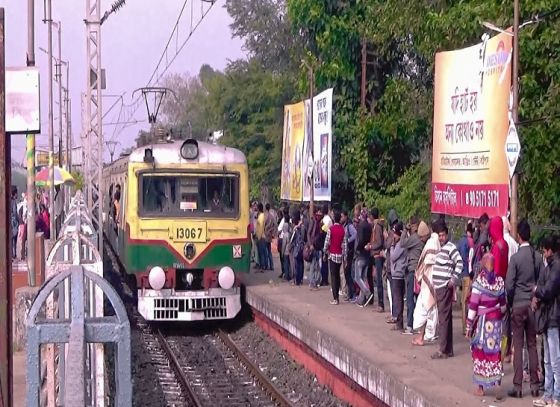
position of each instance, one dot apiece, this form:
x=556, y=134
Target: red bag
x=416, y=287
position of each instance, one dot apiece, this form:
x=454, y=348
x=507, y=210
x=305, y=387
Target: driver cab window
x=190, y=195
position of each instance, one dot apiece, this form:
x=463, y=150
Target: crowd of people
x=19, y=219
x=509, y=291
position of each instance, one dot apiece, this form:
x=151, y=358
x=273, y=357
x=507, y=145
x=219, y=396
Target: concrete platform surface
x=359, y=342
x=19, y=375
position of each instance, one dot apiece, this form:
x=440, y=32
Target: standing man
x=392, y=219
x=398, y=270
x=326, y=223
x=351, y=235
x=547, y=295
x=446, y=275
x=260, y=237
x=522, y=276
x=376, y=246
x=14, y=221
x=254, y=246
x=335, y=249
x=270, y=229
x=361, y=263
x=412, y=242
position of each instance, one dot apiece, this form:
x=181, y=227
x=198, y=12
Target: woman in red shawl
x=43, y=221
x=499, y=248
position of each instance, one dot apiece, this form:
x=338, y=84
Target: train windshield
x=189, y=195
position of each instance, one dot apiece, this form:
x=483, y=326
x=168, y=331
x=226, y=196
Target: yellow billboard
x=470, y=173
x=291, y=188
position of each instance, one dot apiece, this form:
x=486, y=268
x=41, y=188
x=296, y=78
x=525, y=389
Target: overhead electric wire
x=136, y=102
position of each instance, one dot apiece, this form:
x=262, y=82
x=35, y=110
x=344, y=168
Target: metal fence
x=66, y=326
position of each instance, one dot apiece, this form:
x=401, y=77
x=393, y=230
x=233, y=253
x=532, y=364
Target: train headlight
x=190, y=251
x=226, y=277
x=156, y=278
x=189, y=149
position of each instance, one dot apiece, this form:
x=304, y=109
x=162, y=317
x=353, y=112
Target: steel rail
x=176, y=367
x=269, y=387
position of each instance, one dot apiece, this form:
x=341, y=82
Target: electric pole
x=30, y=156
x=515, y=114
x=48, y=20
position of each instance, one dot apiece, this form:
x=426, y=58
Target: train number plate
x=190, y=232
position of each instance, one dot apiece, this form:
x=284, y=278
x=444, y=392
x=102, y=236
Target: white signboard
x=22, y=100
x=513, y=147
x=322, y=147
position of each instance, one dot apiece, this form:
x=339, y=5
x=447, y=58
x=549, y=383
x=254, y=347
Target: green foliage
x=248, y=103
x=79, y=181
x=404, y=195
x=377, y=146
x=380, y=152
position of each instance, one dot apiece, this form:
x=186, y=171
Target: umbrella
x=61, y=176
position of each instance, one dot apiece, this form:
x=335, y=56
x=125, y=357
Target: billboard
x=322, y=147
x=470, y=173
x=291, y=188
x=307, y=149
x=22, y=100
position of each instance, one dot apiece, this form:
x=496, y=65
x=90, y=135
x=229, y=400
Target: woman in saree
x=484, y=327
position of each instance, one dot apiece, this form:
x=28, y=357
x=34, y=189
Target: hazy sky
x=133, y=39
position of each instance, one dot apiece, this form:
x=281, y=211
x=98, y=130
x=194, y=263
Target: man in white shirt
x=512, y=244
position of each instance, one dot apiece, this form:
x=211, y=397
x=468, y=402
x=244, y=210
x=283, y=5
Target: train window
x=186, y=195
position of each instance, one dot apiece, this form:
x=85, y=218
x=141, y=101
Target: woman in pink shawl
x=484, y=327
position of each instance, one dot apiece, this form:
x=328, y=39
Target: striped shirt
x=449, y=265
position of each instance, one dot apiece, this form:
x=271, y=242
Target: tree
x=376, y=147
x=184, y=111
x=247, y=103
x=267, y=33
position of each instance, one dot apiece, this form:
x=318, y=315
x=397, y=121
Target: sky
x=132, y=41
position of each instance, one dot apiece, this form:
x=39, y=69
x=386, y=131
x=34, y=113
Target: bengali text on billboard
x=292, y=153
x=470, y=172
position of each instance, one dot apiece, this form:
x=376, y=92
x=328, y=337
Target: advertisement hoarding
x=470, y=172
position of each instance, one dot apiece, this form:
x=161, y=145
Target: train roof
x=170, y=153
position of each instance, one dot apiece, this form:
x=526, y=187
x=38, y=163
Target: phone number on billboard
x=482, y=199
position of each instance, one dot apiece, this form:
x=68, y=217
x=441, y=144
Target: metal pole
x=5, y=244
x=31, y=203
x=70, y=139
x=51, y=124
x=59, y=76
x=67, y=106
x=60, y=138
x=515, y=114
x=312, y=188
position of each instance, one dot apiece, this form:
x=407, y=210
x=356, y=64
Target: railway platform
x=359, y=343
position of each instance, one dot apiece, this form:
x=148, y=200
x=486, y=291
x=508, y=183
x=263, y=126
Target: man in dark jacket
x=376, y=247
x=521, y=279
x=547, y=293
x=413, y=241
x=392, y=219
x=361, y=261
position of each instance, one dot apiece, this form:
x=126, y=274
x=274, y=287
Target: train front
x=191, y=234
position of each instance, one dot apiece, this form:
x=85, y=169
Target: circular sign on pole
x=513, y=147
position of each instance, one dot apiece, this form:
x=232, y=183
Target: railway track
x=213, y=371
x=204, y=370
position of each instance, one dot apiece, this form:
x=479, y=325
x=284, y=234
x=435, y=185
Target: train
x=177, y=216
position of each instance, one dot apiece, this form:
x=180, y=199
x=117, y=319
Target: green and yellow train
x=178, y=218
